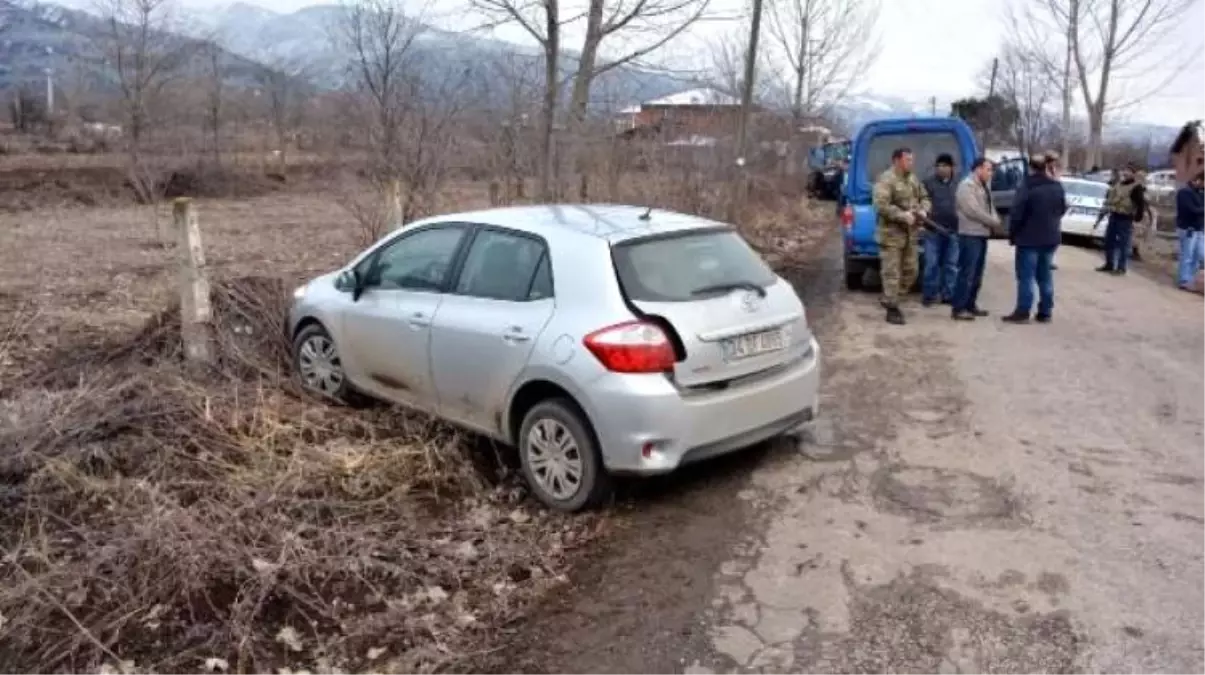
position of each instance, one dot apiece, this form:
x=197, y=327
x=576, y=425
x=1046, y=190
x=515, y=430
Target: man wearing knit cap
x=941, y=249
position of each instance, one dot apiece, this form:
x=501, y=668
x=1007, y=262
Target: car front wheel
x=560, y=457
x=318, y=364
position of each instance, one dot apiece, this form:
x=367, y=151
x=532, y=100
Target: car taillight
x=632, y=347
x=847, y=217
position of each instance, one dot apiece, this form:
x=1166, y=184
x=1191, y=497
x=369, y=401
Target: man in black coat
x=1035, y=229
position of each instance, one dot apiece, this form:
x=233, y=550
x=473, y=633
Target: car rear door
x=488, y=323
x=735, y=318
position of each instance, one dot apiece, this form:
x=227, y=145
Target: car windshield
x=925, y=146
x=689, y=266
x=1076, y=188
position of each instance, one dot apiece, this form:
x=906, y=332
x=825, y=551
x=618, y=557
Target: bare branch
x=827, y=44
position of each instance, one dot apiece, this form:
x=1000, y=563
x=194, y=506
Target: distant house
x=685, y=116
x=1188, y=152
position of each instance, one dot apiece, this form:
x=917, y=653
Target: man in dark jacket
x=1035, y=229
x=941, y=250
x=1190, y=221
x=1125, y=203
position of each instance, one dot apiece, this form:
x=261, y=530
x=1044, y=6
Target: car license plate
x=753, y=344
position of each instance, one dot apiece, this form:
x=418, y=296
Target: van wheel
x=560, y=457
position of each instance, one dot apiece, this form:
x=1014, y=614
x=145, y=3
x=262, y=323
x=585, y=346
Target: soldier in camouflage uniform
x=901, y=202
x=1125, y=204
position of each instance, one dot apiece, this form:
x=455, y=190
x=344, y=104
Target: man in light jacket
x=977, y=221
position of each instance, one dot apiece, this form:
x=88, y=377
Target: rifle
x=927, y=223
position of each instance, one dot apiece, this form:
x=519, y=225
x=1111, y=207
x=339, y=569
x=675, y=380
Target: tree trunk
x=1096, y=124
x=552, y=49
x=579, y=100
x=800, y=73
x=742, y=132
x=1066, y=90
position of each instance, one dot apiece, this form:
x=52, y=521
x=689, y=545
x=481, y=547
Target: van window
x=925, y=146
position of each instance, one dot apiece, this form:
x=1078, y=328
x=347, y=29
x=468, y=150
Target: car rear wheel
x=318, y=364
x=560, y=457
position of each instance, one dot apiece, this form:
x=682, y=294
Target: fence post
x=195, y=310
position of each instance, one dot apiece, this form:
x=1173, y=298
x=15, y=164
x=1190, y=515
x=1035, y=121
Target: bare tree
x=1107, y=44
x=408, y=118
x=827, y=44
x=284, y=81
x=656, y=21
x=214, y=99
x=727, y=65
x=143, y=54
x=748, y=82
x=540, y=19
x=639, y=27
x=1022, y=81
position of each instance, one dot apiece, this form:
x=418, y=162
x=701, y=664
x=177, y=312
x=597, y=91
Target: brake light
x=632, y=347
x=847, y=217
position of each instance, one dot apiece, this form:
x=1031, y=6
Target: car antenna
x=648, y=214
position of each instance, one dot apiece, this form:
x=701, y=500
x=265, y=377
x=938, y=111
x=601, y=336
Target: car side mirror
x=349, y=282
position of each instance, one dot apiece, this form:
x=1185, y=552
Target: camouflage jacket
x=896, y=195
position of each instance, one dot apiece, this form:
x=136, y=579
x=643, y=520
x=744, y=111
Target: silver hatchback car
x=598, y=340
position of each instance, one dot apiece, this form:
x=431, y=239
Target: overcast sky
x=929, y=48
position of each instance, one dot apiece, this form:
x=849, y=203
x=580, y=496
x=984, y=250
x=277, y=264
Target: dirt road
x=976, y=497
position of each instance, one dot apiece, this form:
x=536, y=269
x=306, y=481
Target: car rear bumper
x=1082, y=227
x=632, y=412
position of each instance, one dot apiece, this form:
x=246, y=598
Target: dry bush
x=154, y=520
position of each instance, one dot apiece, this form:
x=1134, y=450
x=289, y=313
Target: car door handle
x=419, y=320
x=514, y=335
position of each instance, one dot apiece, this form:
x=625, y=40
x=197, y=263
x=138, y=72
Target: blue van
x=870, y=156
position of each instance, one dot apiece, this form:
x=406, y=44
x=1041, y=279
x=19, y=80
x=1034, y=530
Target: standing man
x=977, y=221
x=941, y=250
x=1190, y=221
x=1125, y=203
x=1036, y=230
x=900, y=202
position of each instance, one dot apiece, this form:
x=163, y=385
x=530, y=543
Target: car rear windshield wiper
x=730, y=286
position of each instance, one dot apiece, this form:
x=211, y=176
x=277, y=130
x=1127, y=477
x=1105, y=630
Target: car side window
x=501, y=265
x=418, y=261
x=541, y=283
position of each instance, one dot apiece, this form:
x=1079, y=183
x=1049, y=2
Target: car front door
x=488, y=324
x=387, y=331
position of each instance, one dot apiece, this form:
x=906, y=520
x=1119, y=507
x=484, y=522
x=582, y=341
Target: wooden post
x=195, y=310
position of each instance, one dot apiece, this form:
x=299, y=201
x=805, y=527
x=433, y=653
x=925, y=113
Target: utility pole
x=742, y=129
x=933, y=106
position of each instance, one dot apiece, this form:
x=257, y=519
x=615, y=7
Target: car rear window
x=690, y=266
x=925, y=146
x=1091, y=190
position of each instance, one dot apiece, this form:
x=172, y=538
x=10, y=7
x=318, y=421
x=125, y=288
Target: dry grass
x=161, y=520
x=156, y=519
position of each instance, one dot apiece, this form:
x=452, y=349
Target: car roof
x=610, y=222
